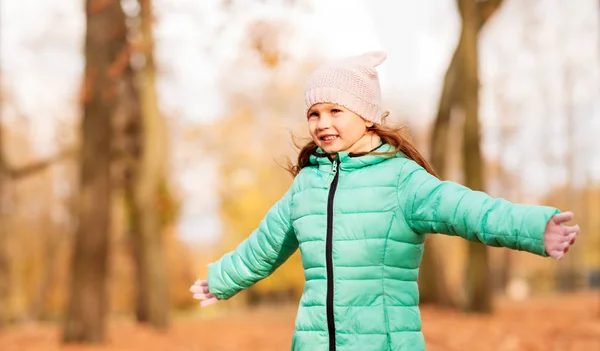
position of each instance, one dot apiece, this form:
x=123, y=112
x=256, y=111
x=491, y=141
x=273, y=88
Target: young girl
x=361, y=203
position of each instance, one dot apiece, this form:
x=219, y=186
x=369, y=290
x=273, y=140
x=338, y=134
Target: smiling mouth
x=328, y=137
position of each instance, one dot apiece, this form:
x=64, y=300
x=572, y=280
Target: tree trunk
x=568, y=270
x=105, y=43
x=131, y=159
x=449, y=99
x=433, y=286
x=451, y=96
x=507, y=130
x=506, y=265
x=149, y=179
x=478, y=282
x=4, y=261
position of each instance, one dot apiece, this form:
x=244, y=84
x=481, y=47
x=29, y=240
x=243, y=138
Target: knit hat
x=351, y=82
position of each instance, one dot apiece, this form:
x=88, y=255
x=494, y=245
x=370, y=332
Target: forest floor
x=565, y=323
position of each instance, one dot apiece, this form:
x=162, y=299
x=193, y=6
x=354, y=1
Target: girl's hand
x=558, y=238
x=201, y=292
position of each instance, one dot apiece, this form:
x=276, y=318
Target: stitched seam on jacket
x=306, y=305
x=358, y=212
x=366, y=186
x=518, y=245
x=341, y=332
x=456, y=211
x=352, y=333
x=383, y=265
x=402, y=205
x=382, y=238
x=482, y=233
x=413, y=200
x=374, y=279
x=362, y=239
x=367, y=266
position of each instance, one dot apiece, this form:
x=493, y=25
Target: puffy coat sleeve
x=434, y=206
x=259, y=255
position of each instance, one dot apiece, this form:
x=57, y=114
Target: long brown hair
x=396, y=136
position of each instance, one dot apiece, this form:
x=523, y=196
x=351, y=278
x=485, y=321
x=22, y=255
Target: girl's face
x=335, y=128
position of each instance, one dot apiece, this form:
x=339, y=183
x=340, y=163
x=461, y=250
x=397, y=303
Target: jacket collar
x=348, y=160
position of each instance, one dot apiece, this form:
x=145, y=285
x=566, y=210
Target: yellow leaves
x=168, y=205
x=563, y=322
x=249, y=187
x=264, y=37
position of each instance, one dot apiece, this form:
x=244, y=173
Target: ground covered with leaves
x=561, y=323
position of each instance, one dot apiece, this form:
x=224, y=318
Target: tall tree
x=105, y=43
x=4, y=262
x=147, y=185
x=451, y=90
x=432, y=283
x=478, y=277
x=568, y=272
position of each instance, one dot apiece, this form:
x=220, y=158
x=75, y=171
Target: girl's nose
x=324, y=122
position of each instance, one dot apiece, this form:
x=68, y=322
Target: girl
x=361, y=203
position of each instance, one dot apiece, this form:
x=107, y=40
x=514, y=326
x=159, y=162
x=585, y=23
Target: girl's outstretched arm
x=434, y=206
x=259, y=255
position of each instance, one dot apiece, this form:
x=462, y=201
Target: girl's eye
x=313, y=114
x=335, y=110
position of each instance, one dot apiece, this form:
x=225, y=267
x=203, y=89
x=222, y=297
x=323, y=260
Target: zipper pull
x=334, y=168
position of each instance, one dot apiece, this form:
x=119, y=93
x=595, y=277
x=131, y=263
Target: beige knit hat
x=351, y=82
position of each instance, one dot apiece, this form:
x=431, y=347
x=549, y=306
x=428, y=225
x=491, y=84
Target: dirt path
x=569, y=323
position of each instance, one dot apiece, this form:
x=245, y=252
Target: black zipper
x=328, y=256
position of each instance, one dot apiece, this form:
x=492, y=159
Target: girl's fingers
x=570, y=230
x=199, y=289
x=569, y=240
x=562, y=217
x=557, y=254
x=201, y=296
x=209, y=302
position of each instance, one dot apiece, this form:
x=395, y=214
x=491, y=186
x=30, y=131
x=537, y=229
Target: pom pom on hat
x=352, y=82
x=375, y=58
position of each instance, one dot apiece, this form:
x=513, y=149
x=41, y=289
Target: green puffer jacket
x=360, y=223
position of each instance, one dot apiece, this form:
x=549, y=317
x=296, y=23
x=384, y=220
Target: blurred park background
x=142, y=139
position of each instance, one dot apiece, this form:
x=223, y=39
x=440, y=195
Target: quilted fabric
x=360, y=288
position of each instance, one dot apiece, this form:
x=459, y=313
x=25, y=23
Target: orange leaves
x=563, y=323
x=264, y=37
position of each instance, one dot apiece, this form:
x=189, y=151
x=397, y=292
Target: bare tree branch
x=34, y=167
